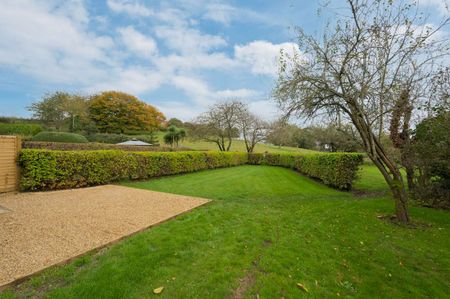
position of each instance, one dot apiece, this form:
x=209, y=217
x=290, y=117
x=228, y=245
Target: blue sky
x=179, y=55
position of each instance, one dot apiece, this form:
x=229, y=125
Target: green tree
x=175, y=122
x=371, y=54
x=174, y=135
x=117, y=112
x=51, y=110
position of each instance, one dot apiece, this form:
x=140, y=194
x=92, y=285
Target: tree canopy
x=117, y=112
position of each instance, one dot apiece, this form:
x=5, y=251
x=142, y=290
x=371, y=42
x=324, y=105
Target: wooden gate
x=9, y=171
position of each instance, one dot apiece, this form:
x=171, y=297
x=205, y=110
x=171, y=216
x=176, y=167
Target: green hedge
x=19, y=129
x=59, y=137
x=338, y=170
x=47, y=170
x=68, y=146
x=53, y=169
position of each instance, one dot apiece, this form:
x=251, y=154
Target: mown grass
x=267, y=229
x=236, y=146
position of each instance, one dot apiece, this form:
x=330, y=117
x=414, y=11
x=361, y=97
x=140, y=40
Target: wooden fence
x=9, y=171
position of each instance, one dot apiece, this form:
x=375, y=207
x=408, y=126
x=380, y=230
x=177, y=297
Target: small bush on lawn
x=338, y=170
x=19, y=129
x=46, y=170
x=59, y=137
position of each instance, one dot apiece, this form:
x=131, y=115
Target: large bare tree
x=219, y=124
x=365, y=66
x=252, y=128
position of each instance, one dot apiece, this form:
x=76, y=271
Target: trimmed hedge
x=67, y=146
x=52, y=169
x=59, y=137
x=48, y=170
x=19, y=129
x=338, y=170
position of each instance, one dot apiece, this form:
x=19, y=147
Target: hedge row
x=67, y=146
x=48, y=170
x=338, y=170
x=19, y=129
x=59, y=137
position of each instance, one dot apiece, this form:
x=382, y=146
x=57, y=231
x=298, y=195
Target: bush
x=46, y=170
x=338, y=170
x=59, y=137
x=65, y=146
x=19, y=129
x=431, y=146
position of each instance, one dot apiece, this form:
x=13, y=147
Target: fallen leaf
x=302, y=287
x=158, y=290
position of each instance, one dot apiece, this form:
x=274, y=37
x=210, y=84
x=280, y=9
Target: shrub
x=19, y=129
x=338, y=170
x=65, y=146
x=59, y=137
x=46, y=170
x=431, y=147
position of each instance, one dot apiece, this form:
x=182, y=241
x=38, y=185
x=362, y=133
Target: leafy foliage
x=19, y=129
x=117, y=112
x=64, y=146
x=432, y=150
x=59, y=137
x=338, y=170
x=60, y=108
x=45, y=170
x=174, y=135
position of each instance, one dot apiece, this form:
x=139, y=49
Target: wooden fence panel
x=9, y=171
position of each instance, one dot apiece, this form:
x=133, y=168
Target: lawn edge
x=25, y=278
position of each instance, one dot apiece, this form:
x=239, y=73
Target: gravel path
x=45, y=228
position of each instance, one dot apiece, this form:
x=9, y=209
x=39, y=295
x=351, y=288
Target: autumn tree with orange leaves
x=118, y=112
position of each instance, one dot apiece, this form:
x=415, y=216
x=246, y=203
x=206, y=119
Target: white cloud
x=137, y=42
x=198, y=90
x=133, y=8
x=188, y=40
x=219, y=12
x=262, y=56
x=442, y=6
x=266, y=109
x=51, y=47
x=134, y=80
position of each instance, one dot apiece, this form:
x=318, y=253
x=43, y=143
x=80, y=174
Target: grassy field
x=236, y=146
x=267, y=230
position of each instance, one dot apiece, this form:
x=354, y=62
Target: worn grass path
x=267, y=229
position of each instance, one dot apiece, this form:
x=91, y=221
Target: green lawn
x=267, y=229
x=236, y=146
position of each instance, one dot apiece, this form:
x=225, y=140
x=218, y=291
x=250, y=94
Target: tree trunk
x=410, y=178
x=401, y=199
x=387, y=167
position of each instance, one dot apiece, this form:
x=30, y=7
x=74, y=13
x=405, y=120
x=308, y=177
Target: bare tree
x=363, y=65
x=252, y=128
x=219, y=124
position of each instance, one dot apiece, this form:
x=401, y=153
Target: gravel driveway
x=41, y=229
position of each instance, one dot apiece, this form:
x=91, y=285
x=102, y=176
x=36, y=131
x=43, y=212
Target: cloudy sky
x=179, y=55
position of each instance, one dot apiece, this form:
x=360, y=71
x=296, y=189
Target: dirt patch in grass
x=42, y=229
